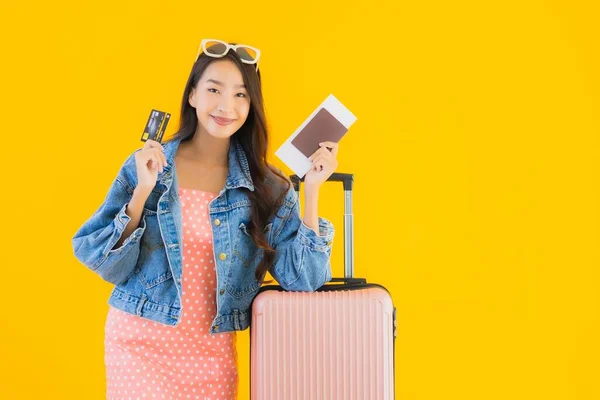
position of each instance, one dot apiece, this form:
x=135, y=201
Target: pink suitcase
x=333, y=344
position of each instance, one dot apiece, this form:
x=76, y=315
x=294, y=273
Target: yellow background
x=475, y=154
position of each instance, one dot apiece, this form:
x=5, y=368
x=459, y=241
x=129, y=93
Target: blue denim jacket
x=146, y=270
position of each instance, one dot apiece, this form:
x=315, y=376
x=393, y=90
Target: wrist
x=312, y=188
x=142, y=191
x=311, y=195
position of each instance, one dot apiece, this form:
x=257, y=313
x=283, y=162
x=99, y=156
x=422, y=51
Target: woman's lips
x=222, y=121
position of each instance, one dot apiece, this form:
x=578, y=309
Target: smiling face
x=221, y=101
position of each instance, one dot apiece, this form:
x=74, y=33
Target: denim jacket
x=147, y=268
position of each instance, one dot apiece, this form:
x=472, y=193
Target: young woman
x=188, y=231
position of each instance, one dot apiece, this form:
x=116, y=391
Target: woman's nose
x=225, y=105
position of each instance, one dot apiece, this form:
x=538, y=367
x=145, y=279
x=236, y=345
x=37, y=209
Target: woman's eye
x=242, y=94
x=215, y=90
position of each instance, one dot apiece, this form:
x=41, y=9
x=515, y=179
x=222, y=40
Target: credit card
x=156, y=125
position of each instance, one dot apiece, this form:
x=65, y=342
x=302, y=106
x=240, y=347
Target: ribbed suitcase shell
x=322, y=345
x=333, y=344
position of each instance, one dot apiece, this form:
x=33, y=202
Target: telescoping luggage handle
x=347, y=180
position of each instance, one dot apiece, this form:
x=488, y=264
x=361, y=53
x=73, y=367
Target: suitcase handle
x=348, y=181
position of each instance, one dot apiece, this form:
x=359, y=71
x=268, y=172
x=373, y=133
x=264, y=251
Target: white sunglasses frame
x=202, y=49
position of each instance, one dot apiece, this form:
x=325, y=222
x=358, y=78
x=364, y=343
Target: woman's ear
x=191, y=97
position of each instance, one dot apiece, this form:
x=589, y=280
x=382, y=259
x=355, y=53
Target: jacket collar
x=238, y=174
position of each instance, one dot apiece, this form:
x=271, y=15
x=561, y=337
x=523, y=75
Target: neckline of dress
x=198, y=190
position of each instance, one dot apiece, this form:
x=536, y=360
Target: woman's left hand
x=324, y=163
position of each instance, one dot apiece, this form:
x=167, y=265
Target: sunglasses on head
x=218, y=48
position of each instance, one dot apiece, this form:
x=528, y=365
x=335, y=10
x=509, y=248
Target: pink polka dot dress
x=145, y=359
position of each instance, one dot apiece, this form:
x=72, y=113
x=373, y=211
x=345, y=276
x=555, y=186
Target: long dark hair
x=254, y=138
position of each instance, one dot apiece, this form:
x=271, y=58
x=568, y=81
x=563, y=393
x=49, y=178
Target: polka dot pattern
x=145, y=359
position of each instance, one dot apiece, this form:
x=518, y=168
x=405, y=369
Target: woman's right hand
x=149, y=160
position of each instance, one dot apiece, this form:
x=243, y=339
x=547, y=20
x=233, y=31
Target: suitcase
x=336, y=343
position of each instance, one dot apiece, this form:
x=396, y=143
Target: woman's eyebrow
x=221, y=83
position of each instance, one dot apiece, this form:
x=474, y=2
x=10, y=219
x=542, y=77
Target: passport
x=329, y=122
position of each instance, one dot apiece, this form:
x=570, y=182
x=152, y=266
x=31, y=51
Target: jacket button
x=222, y=256
x=222, y=291
x=217, y=222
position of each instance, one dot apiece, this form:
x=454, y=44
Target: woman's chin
x=221, y=132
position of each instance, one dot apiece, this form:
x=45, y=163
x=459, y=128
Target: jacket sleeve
x=302, y=258
x=94, y=241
